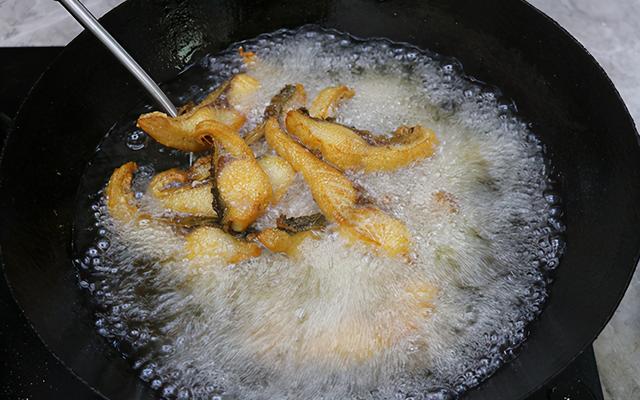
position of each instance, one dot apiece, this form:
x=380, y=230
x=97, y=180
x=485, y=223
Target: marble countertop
x=609, y=30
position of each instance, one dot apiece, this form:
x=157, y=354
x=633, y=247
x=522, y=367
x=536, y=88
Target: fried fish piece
x=280, y=241
x=220, y=105
x=423, y=294
x=373, y=227
x=200, y=170
x=278, y=170
x=328, y=99
x=211, y=242
x=189, y=192
x=193, y=201
x=242, y=91
x=288, y=98
x=280, y=175
x=179, y=132
x=243, y=186
x=347, y=148
x=177, y=192
x=338, y=198
x=201, y=242
x=121, y=201
x=290, y=233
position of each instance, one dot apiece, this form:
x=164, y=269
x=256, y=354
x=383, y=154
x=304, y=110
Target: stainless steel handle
x=89, y=22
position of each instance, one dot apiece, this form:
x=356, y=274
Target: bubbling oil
x=336, y=323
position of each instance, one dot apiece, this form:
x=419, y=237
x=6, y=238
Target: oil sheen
x=340, y=321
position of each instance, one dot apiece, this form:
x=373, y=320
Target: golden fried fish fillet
x=338, y=198
x=280, y=241
x=280, y=175
x=177, y=192
x=244, y=187
x=211, y=242
x=278, y=170
x=121, y=201
x=189, y=192
x=242, y=92
x=220, y=106
x=347, y=148
x=179, y=132
x=328, y=99
x=202, y=242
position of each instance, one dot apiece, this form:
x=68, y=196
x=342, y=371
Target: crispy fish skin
x=302, y=223
x=220, y=105
x=121, y=201
x=348, y=149
x=212, y=242
x=280, y=175
x=289, y=97
x=244, y=187
x=338, y=198
x=179, y=132
x=328, y=99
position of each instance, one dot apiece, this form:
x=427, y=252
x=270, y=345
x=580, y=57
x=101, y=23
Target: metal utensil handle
x=86, y=19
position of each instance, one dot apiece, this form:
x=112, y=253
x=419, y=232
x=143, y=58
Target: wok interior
x=556, y=85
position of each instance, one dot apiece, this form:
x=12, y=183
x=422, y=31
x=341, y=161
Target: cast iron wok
x=557, y=86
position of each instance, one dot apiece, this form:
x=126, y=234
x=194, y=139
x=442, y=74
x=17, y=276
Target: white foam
x=262, y=328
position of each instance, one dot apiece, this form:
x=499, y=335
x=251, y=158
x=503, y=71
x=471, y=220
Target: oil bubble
x=136, y=140
x=199, y=332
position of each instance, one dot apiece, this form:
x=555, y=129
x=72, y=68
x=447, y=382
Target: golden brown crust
x=210, y=242
x=179, y=132
x=346, y=148
x=242, y=91
x=280, y=175
x=338, y=198
x=244, y=187
x=120, y=198
x=224, y=105
x=279, y=241
x=178, y=194
x=328, y=99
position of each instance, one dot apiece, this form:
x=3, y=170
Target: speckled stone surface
x=608, y=29
x=42, y=22
x=611, y=32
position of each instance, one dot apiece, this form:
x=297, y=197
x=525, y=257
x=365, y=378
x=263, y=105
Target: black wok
x=557, y=86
